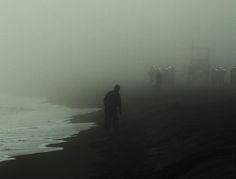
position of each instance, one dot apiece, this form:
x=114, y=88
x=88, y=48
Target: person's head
x=117, y=88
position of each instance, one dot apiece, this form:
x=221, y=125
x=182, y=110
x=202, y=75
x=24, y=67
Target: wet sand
x=183, y=134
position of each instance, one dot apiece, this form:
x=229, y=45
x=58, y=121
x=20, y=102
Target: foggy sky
x=54, y=44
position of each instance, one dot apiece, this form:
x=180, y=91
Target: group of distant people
x=218, y=76
x=165, y=77
x=162, y=77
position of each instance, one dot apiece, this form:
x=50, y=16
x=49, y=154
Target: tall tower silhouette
x=199, y=66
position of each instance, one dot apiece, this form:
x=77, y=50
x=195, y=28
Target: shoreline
x=76, y=146
x=177, y=135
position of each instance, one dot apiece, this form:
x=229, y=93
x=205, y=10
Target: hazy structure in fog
x=199, y=67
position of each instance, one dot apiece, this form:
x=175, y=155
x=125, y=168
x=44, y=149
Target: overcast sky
x=47, y=43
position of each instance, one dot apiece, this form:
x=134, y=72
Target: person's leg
x=107, y=120
x=115, y=122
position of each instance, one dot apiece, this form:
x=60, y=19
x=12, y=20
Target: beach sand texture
x=183, y=134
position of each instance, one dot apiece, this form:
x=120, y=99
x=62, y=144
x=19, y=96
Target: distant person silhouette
x=112, y=103
x=158, y=79
x=152, y=75
x=218, y=76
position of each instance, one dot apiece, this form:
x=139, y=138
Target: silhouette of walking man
x=112, y=103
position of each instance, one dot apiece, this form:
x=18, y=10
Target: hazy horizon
x=54, y=45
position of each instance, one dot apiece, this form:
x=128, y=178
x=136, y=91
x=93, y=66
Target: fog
x=59, y=46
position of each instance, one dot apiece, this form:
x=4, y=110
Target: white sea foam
x=27, y=125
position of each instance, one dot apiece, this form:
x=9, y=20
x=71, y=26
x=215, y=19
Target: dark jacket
x=112, y=101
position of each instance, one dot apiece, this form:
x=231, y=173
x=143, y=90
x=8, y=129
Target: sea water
x=28, y=125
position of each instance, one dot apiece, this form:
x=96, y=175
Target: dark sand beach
x=183, y=134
